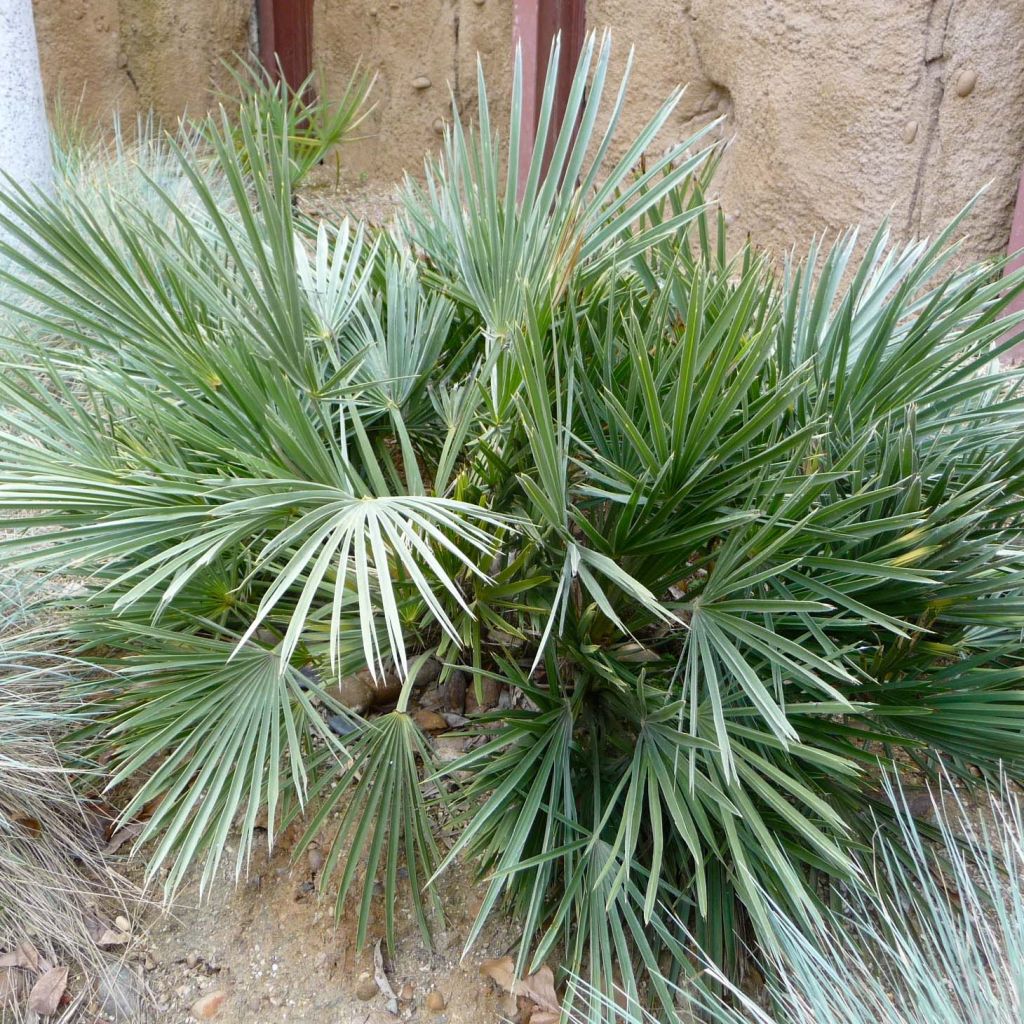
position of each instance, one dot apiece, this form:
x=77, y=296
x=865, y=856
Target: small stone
x=122, y=923
x=366, y=989
x=316, y=859
x=435, y=1001
x=341, y=725
x=360, y=691
x=909, y=132
x=966, y=81
x=406, y=992
x=430, y=721
x=439, y=125
x=449, y=748
x=492, y=690
x=353, y=691
x=384, y=689
x=431, y=667
x=421, y=82
x=208, y=1006
x=312, y=673
x=191, y=960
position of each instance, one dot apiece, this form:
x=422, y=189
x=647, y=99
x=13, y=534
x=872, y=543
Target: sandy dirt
x=272, y=945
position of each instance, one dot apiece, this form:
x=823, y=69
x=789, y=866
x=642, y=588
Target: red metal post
x=535, y=24
x=1016, y=354
x=286, y=38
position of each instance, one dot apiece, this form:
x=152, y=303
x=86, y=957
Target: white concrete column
x=24, y=134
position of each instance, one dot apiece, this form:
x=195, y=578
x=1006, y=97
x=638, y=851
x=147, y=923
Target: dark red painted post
x=1016, y=354
x=286, y=38
x=535, y=24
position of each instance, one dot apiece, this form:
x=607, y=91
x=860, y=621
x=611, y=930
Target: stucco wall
x=843, y=111
x=423, y=52
x=138, y=55
x=837, y=110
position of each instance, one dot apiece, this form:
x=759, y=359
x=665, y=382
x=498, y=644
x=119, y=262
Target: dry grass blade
x=53, y=879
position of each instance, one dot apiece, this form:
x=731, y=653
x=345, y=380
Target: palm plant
x=721, y=536
x=312, y=123
x=939, y=937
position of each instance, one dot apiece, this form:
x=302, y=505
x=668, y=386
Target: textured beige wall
x=843, y=111
x=837, y=111
x=138, y=55
x=423, y=52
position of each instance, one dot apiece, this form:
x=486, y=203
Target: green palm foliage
x=723, y=533
x=313, y=124
x=939, y=939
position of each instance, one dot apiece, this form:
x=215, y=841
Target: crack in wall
x=456, y=64
x=933, y=72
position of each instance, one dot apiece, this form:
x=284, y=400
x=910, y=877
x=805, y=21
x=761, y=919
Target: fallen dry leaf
x=501, y=971
x=539, y=987
x=46, y=993
x=25, y=955
x=112, y=938
x=383, y=984
x=122, y=836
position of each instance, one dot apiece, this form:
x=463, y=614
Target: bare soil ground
x=324, y=195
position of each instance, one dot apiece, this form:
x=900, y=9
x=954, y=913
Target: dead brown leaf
x=380, y=976
x=25, y=955
x=540, y=987
x=47, y=992
x=122, y=836
x=501, y=971
x=112, y=938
